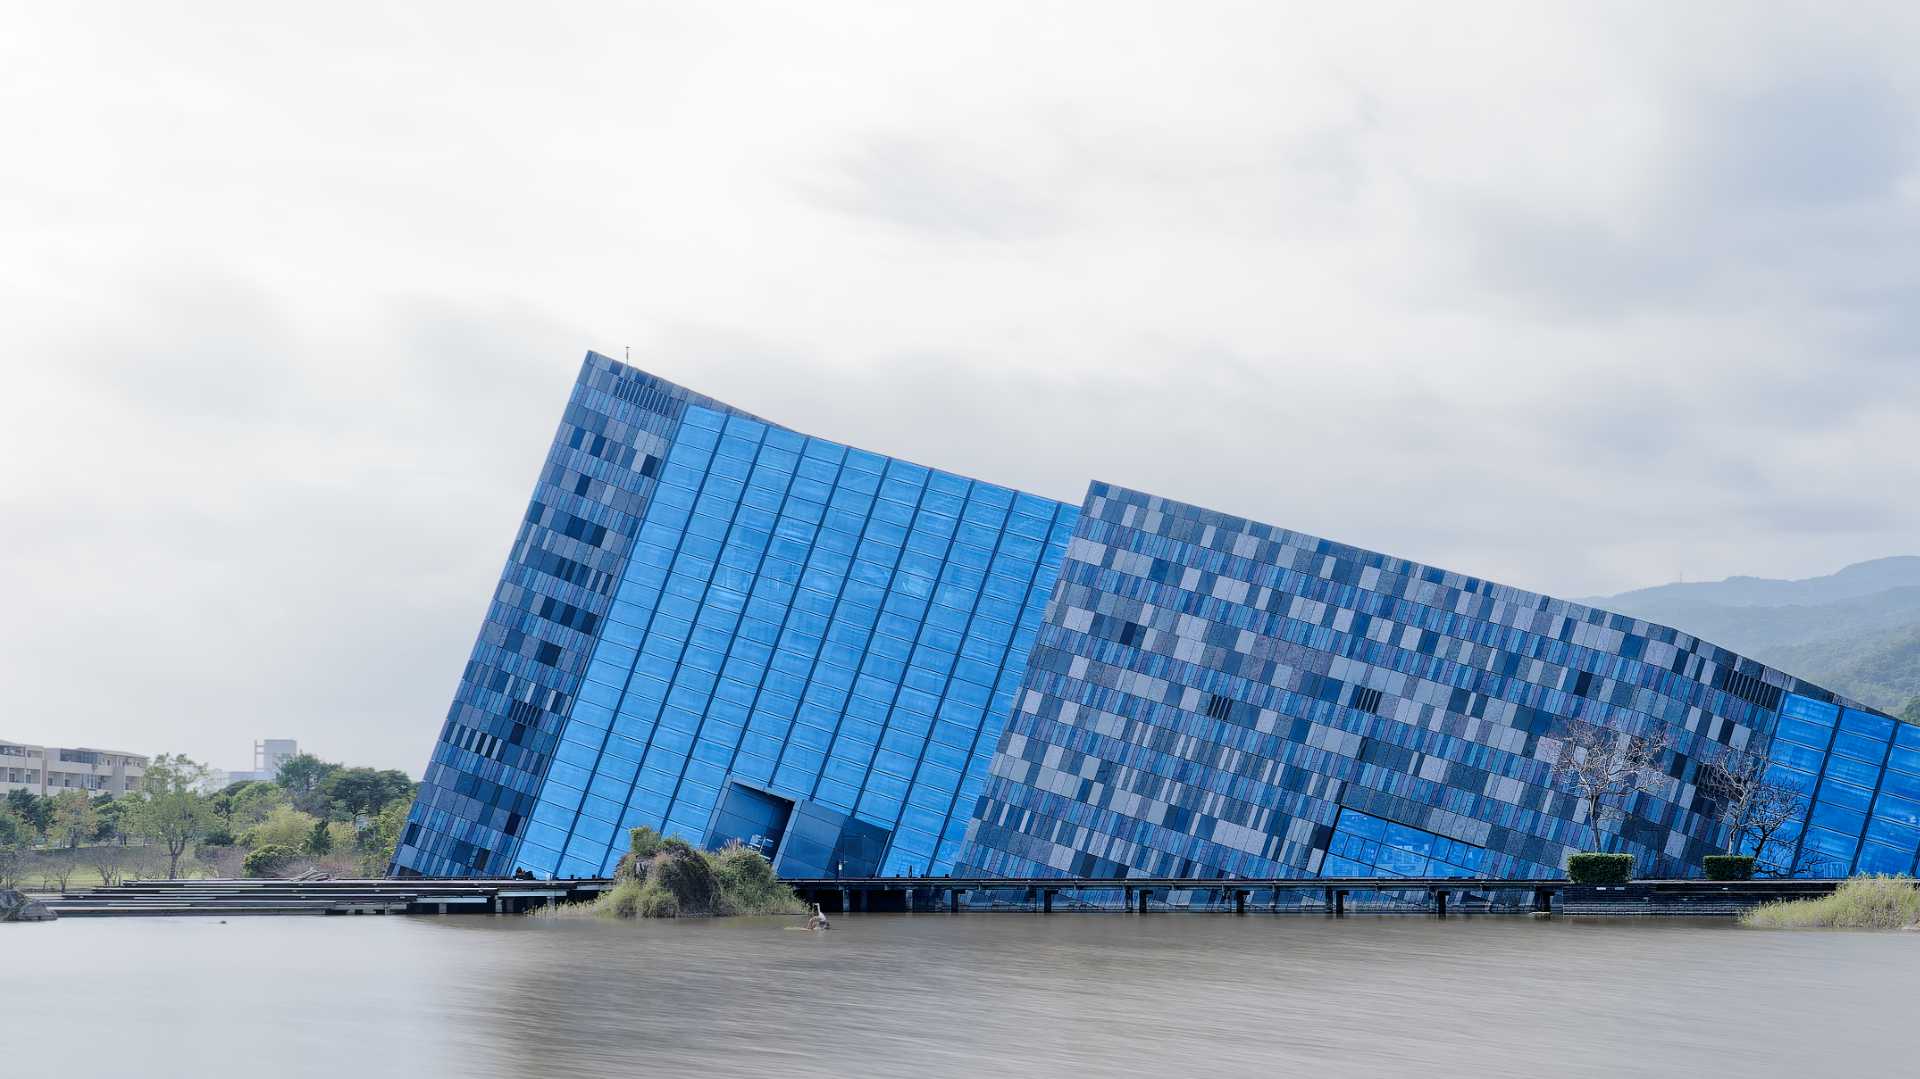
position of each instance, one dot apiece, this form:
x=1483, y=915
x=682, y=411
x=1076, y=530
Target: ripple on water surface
x=930, y=995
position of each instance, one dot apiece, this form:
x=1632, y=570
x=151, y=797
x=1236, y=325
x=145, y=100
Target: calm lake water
x=931, y=995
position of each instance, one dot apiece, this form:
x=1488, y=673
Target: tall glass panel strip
x=813, y=650
x=1857, y=774
x=542, y=621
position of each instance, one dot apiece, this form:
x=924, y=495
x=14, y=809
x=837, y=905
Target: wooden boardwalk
x=1324, y=894
x=1140, y=895
x=241, y=897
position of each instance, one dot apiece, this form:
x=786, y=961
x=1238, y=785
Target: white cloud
x=1575, y=301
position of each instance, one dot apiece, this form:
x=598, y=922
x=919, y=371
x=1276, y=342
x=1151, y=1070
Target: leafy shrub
x=654, y=901
x=664, y=877
x=1861, y=903
x=747, y=883
x=1729, y=866
x=319, y=840
x=682, y=873
x=219, y=837
x=644, y=842
x=284, y=826
x=269, y=860
x=1593, y=867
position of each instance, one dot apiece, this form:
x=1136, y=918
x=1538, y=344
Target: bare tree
x=108, y=861
x=1602, y=767
x=1753, y=807
x=58, y=867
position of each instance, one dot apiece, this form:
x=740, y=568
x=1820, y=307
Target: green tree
x=1912, y=714
x=16, y=835
x=34, y=811
x=250, y=803
x=284, y=826
x=319, y=840
x=221, y=802
x=75, y=819
x=169, y=808
x=301, y=775
x=351, y=792
x=378, y=842
x=112, y=813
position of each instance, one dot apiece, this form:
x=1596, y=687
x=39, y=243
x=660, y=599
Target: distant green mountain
x=1882, y=671
x=1856, y=631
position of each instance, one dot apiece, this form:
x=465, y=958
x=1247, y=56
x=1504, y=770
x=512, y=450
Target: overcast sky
x=291, y=298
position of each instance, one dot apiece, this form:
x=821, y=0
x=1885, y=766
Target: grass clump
x=664, y=877
x=1878, y=902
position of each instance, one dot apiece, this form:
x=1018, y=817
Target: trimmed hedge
x=1593, y=867
x=1728, y=866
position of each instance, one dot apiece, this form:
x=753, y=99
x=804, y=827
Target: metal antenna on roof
x=629, y=356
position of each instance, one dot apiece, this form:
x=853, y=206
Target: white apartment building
x=52, y=769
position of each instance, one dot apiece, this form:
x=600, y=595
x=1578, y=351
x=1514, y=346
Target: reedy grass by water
x=1878, y=902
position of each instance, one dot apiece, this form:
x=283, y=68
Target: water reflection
x=975, y=994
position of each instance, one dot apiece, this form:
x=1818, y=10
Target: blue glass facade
x=1216, y=697
x=729, y=631
x=787, y=641
x=1859, y=774
x=802, y=627
x=546, y=614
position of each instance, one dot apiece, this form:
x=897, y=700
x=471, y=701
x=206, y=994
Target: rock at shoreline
x=17, y=907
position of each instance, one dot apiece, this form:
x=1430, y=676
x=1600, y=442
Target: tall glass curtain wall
x=822, y=623
x=1858, y=775
x=1211, y=696
x=547, y=611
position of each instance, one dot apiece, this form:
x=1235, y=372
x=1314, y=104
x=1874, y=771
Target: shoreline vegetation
x=662, y=877
x=1878, y=902
x=313, y=816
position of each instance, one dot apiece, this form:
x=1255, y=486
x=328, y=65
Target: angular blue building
x=726, y=630
x=729, y=631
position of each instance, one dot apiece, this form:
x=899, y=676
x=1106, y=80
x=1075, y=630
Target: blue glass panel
x=1806, y=734
x=1878, y=728
x=1861, y=747
x=1878, y=858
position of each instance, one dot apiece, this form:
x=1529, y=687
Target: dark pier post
x=1239, y=901
x=1543, y=900
x=1046, y=900
x=1330, y=900
x=1339, y=902
x=953, y=900
x=846, y=901
x=1128, y=893
x=1440, y=902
